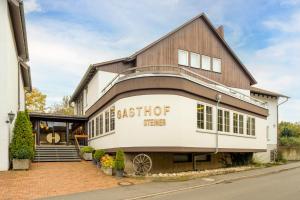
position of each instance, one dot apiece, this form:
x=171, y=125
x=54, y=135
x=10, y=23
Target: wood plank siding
x=196, y=37
x=116, y=67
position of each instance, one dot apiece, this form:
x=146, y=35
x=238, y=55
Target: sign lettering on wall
x=146, y=112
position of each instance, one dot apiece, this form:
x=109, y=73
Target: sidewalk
x=155, y=188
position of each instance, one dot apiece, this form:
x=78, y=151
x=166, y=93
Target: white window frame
x=203, y=57
x=217, y=65
x=195, y=60
x=181, y=53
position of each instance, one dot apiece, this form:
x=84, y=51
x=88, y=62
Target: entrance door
x=53, y=133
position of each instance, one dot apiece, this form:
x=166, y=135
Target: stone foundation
x=265, y=157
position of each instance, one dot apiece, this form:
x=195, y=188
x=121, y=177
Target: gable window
x=220, y=120
x=106, y=121
x=183, y=57
x=101, y=123
x=200, y=116
x=85, y=99
x=209, y=118
x=206, y=62
x=227, y=121
x=241, y=124
x=112, y=118
x=235, y=123
x=195, y=60
x=216, y=65
x=97, y=126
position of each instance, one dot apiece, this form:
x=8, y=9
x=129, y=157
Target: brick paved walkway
x=51, y=179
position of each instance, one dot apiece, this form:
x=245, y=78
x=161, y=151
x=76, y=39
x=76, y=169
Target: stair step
x=56, y=154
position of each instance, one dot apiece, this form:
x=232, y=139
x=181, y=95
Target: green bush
x=120, y=160
x=289, y=141
x=99, y=154
x=22, y=145
x=87, y=149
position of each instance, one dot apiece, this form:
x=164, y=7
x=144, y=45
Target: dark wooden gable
x=198, y=36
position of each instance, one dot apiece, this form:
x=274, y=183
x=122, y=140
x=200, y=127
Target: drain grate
x=125, y=183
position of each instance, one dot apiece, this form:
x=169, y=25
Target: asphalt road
x=283, y=186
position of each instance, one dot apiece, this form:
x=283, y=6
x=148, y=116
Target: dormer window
x=206, y=62
x=183, y=57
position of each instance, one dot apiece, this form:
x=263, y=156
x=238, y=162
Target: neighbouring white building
x=186, y=100
x=14, y=72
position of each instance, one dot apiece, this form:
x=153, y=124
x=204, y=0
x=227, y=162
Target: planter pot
x=107, y=171
x=87, y=156
x=21, y=164
x=119, y=173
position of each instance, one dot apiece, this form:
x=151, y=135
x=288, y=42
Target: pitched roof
x=256, y=90
x=211, y=26
x=92, y=68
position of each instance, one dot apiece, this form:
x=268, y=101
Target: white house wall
x=95, y=87
x=180, y=129
x=8, y=81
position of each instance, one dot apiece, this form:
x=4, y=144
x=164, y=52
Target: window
x=253, y=126
x=101, y=123
x=90, y=129
x=203, y=158
x=220, y=120
x=206, y=62
x=241, y=124
x=235, y=123
x=183, y=57
x=178, y=158
x=248, y=125
x=195, y=60
x=268, y=134
x=227, y=121
x=209, y=118
x=200, y=116
x=112, y=118
x=93, y=128
x=97, y=126
x=216, y=65
x=106, y=121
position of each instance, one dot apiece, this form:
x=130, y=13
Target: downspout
x=218, y=98
x=279, y=104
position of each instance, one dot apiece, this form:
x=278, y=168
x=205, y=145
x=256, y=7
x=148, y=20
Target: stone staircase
x=56, y=153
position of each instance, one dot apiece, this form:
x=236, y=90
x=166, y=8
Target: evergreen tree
x=22, y=145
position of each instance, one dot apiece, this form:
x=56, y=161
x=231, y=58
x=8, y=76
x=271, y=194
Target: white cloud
x=290, y=25
x=31, y=6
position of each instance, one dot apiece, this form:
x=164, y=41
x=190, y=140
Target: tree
x=35, y=101
x=22, y=145
x=63, y=107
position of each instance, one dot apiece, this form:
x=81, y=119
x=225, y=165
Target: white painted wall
x=95, y=86
x=8, y=81
x=180, y=130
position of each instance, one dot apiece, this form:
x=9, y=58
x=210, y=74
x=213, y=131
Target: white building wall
x=271, y=130
x=8, y=82
x=180, y=130
x=94, y=88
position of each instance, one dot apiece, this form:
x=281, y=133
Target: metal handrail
x=181, y=71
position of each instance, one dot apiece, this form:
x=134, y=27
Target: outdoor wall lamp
x=11, y=117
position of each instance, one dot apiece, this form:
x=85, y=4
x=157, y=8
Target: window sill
x=226, y=134
x=102, y=135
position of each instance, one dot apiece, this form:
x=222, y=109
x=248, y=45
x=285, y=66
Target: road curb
x=209, y=184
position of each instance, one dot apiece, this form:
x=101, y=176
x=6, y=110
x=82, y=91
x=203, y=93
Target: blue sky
x=66, y=36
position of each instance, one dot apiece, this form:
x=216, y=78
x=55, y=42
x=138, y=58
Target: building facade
x=15, y=73
x=185, y=100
